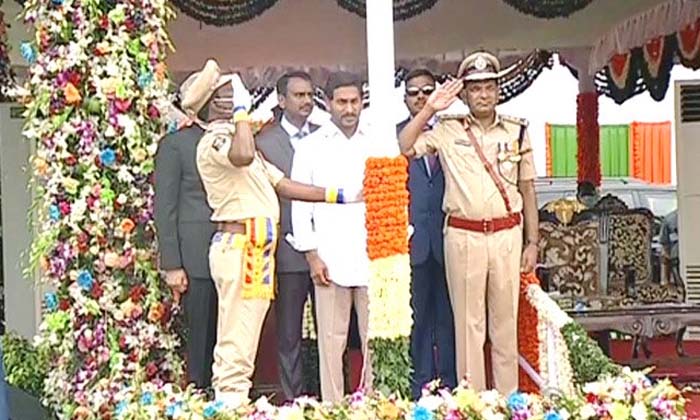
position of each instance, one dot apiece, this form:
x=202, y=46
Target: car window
x=626, y=197
x=661, y=203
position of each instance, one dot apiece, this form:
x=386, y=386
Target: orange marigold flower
x=127, y=225
x=70, y=92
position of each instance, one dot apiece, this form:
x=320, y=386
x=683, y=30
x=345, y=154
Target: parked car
x=660, y=199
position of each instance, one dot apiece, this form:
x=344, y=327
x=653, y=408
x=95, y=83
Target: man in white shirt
x=334, y=240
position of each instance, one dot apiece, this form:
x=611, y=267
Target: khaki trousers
x=483, y=275
x=333, y=305
x=240, y=321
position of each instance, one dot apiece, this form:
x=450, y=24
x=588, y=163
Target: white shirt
x=327, y=158
x=295, y=134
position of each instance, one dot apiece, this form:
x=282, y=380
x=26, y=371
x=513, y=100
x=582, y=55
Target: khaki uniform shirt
x=236, y=193
x=470, y=193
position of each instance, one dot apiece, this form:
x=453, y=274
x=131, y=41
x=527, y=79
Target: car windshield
x=661, y=203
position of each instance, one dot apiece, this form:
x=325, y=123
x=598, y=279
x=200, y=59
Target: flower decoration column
x=6, y=74
x=97, y=79
x=390, y=315
x=587, y=131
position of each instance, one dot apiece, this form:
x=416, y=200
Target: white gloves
x=241, y=96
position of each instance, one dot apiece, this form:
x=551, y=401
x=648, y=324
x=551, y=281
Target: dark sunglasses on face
x=414, y=91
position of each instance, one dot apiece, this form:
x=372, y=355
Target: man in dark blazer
x=277, y=142
x=184, y=232
x=432, y=338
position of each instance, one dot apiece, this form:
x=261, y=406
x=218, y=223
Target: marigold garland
x=588, y=135
x=390, y=316
x=386, y=199
x=528, y=343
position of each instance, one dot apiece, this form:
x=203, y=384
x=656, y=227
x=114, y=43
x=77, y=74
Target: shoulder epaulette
x=446, y=117
x=515, y=120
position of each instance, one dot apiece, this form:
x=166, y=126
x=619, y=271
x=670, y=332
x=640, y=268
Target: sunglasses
x=414, y=91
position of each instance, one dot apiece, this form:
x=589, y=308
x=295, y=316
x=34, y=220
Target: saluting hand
x=445, y=95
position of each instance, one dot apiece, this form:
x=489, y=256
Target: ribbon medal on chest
x=508, y=154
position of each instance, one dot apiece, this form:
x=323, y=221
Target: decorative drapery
x=640, y=150
x=403, y=9
x=662, y=20
x=517, y=77
x=548, y=9
x=648, y=68
x=650, y=144
x=639, y=54
x=223, y=12
x=234, y=12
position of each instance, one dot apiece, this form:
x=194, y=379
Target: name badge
x=463, y=142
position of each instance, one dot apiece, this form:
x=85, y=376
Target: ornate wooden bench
x=599, y=268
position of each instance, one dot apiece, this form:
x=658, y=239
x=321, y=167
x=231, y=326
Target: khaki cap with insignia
x=480, y=65
x=196, y=90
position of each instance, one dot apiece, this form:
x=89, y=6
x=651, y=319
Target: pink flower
x=64, y=207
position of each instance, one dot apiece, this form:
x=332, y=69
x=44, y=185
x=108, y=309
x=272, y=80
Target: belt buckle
x=487, y=226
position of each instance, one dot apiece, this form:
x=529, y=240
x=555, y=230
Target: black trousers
x=200, y=306
x=289, y=308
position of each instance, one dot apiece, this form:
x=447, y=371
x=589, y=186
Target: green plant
x=26, y=367
x=588, y=361
x=391, y=366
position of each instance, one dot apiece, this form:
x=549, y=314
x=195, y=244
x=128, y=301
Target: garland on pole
x=7, y=77
x=588, y=135
x=548, y=9
x=528, y=344
x=390, y=314
x=97, y=86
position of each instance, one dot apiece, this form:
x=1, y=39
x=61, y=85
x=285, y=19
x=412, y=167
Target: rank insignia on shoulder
x=515, y=120
x=218, y=142
x=446, y=117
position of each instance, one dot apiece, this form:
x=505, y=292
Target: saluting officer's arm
x=413, y=130
x=299, y=187
x=242, y=151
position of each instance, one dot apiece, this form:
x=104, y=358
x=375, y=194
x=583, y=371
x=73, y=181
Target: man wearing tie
x=277, y=143
x=432, y=338
x=184, y=232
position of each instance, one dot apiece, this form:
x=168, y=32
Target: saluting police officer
x=242, y=190
x=489, y=190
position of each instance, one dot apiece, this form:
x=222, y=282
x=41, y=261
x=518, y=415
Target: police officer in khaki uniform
x=242, y=190
x=489, y=195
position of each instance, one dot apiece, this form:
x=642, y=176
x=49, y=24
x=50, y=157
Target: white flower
x=490, y=397
x=491, y=415
x=639, y=411
x=78, y=210
x=618, y=393
x=128, y=124
x=430, y=402
x=290, y=413
x=263, y=405
x=587, y=412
